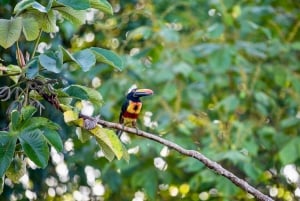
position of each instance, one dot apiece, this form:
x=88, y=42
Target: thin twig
x=36, y=43
x=190, y=153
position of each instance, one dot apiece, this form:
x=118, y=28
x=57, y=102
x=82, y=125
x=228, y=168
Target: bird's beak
x=143, y=92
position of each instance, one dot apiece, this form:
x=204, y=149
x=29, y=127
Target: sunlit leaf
x=76, y=17
x=109, y=142
x=22, y=5
x=70, y=116
x=10, y=31
x=102, y=5
x=30, y=28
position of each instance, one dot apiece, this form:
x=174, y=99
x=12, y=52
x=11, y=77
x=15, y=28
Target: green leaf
x=15, y=119
x=290, y=122
x=220, y=61
x=85, y=93
x=107, y=151
x=85, y=58
x=32, y=68
x=47, y=21
x=76, y=4
x=143, y=32
x=229, y=103
x=76, y=17
x=12, y=69
x=1, y=184
x=27, y=112
x=141, y=179
x=16, y=170
x=108, y=57
x=169, y=91
x=35, y=147
x=295, y=45
x=22, y=5
x=30, y=28
x=10, y=31
x=51, y=61
x=102, y=5
x=39, y=122
x=109, y=142
x=290, y=152
x=53, y=138
x=39, y=7
x=67, y=56
x=7, y=148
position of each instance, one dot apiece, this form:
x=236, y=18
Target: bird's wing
x=123, y=109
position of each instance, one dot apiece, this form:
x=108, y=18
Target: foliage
x=226, y=82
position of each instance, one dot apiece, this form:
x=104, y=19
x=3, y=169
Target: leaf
x=67, y=56
x=30, y=28
x=290, y=151
x=102, y=5
x=70, y=116
x=32, y=68
x=10, y=31
x=35, y=147
x=39, y=7
x=290, y=122
x=22, y=5
x=107, y=151
x=38, y=122
x=109, y=142
x=16, y=170
x=143, y=32
x=141, y=179
x=76, y=4
x=53, y=138
x=13, y=69
x=220, y=61
x=85, y=93
x=108, y=57
x=15, y=119
x=47, y=21
x=7, y=148
x=1, y=184
x=27, y=112
x=51, y=61
x=85, y=58
x=76, y=17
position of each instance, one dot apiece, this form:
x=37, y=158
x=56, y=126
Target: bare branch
x=216, y=167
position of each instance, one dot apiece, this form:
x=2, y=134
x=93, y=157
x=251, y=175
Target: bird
x=131, y=108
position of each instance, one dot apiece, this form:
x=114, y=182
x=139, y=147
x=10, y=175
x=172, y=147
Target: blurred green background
x=226, y=77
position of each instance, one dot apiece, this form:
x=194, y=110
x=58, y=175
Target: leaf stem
x=36, y=44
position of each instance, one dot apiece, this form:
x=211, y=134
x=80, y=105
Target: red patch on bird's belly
x=130, y=115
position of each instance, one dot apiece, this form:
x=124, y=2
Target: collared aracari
x=131, y=107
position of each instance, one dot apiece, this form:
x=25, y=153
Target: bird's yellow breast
x=134, y=107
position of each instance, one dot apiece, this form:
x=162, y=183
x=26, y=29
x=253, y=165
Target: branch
x=190, y=153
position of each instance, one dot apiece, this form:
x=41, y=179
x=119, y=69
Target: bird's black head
x=135, y=94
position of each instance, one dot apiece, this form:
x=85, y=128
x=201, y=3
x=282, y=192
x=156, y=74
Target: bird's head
x=135, y=94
